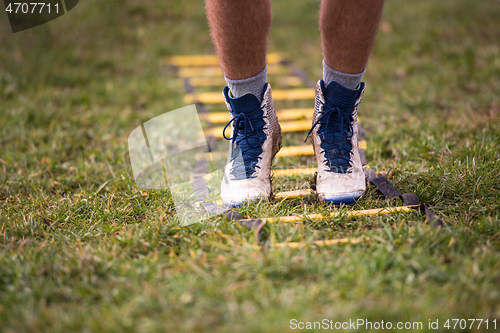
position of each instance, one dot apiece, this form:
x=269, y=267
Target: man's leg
x=348, y=29
x=239, y=31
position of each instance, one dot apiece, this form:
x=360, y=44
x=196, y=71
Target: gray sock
x=254, y=85
x=350, y=81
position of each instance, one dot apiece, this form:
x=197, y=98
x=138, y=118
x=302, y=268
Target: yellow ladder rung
x=217, y=97
x=289, y=126
x=287, y=152
x=339, y=241
x=293, y=94
x=205, y=98
x=291, y=114
x=279, y=195
x=216, y=117
x=216, y=71
x=200, y=71
x=286, y=114
x=296, y=126
x=292, y=194
x=193, y=60
x=211, y=60
x=204, y=81
x=291, y=81
x=365, y=212
x=295, y=151
x=307, y=150
x=294, y=172
x=218, y=81
x=276, y=173
x=286, y=127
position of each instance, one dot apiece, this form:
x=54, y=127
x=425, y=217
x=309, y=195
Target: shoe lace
x=335, y=121
x=244, y=129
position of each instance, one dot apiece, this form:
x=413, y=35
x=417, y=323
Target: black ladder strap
x=410, y=199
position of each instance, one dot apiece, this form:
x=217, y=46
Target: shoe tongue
x=339, y=96
x=244, y=104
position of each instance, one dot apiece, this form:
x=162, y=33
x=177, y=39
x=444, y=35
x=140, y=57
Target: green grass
x=73, y=258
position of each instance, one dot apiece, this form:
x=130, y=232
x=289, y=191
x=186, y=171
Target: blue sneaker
x=334, y=132
x=255, y=140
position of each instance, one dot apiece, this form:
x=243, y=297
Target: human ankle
x=350, y=81
x=254, y=85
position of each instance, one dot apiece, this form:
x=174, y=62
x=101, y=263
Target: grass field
x=78, y=256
